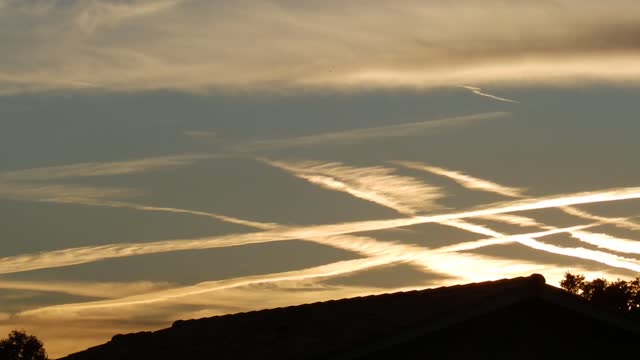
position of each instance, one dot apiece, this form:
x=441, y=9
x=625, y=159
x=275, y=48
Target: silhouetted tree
x=20, y=346
x=619, y=295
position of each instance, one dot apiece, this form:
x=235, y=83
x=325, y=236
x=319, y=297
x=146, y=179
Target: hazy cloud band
x=198, y=45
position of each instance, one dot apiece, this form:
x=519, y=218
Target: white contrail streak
x=94, y=196
x=82, y=255
x=360, y=135
x=366, y=189
x=602, y=241
x=118, y=251
x=379, y=185
x=608, y=242
x=500, y=239
x=587, y=254
x=95, y=169
x=467, y=181
x=470, y=267
x=622, y=223
x=140, y=207
x=478, y=91
x=522, y=221
x=110, y=290
x=60, y=193
x=389, y=191
x=474, y=183
x=329, y=270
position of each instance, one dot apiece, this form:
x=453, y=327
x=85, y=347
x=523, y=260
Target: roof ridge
x=531, y=282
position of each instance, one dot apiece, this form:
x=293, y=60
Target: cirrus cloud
x=279, y=44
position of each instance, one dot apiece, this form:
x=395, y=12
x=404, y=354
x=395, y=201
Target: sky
x=165, y=160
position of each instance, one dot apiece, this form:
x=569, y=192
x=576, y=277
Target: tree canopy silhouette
x=21, y=346
x=619, y=295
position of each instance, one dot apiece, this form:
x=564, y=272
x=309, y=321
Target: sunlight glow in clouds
x=109, y=47
x=376, y=184
x=380, y=253
x=467, y=267
x=474, y=183
x=608, y=242
x=109, y=290
x=603, y=241
x=83, y=255
x=467, y=181
x=113, y=45
x=367, y=190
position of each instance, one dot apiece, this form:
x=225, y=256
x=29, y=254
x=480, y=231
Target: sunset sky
x=175, y=159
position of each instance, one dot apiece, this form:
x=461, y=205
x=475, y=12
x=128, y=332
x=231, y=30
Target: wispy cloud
x=608, y=242
x=329, y=270
x=95, y=169
x=61, y=193
x=582, y=253
x=83, y=329
x=465, y=180
x=142, y=207
x=469, y=267
x=506, y=239
x=109, y=290
x=618, y=222
x=516, y=220
x=406, y=196
x=83, y=255
x=376, y=184
x=378, y=254
x=35, y=185
x=373, y=133
x=390, y=191
x=603, y=241
x=115, y=45
x=94, y=15
x=474, y=183
x=102, y=197
x=478, y=91
x=97, y=325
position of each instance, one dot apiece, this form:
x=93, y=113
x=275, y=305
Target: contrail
x=225, y=218
x=467, y=181
x=366, y=191
x=582, y=253
x=379, y=185
x=505, y=239
x=618, y=222
x=474, y=183
x=522, y=221
x=602, y=241
x=478, y=91
x=363, y=193
x=380, y=254
x=389, y=191
x=114, y=168
x=93, y=196
x=60, y=193
x=333, y=269
x=359, y=135
x=110, y=290
x=608, y=242
x=82, y=255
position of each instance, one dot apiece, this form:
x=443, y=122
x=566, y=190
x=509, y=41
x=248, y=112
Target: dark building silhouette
x=520, y=318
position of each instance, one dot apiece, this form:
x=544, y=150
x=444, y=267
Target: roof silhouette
x=510, y=314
